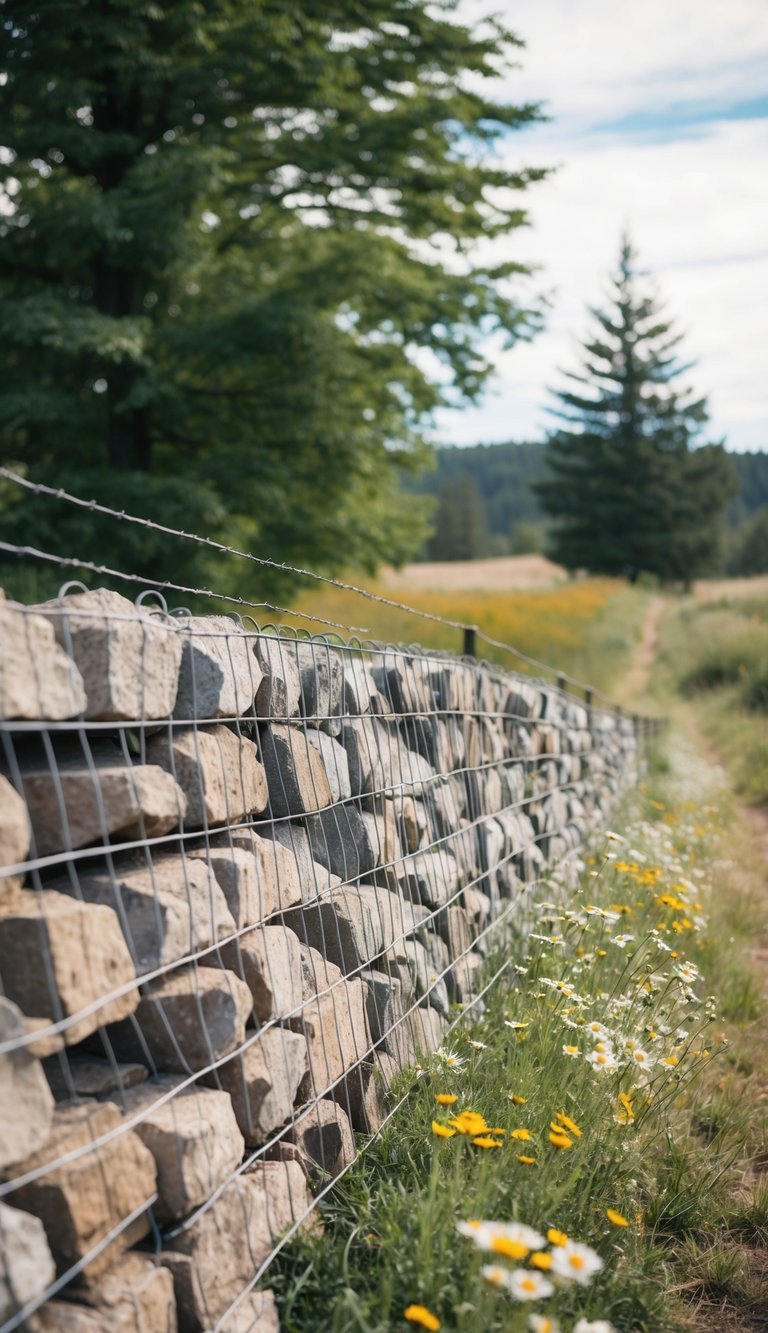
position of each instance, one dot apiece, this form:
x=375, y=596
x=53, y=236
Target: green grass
x=677, y=1171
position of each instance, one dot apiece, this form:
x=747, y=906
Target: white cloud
x=697, y=205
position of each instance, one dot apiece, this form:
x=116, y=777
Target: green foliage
x=750, y=551
x=233, y=228
x=629, y=489
x=460, y=531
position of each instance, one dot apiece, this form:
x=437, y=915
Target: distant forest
x=485, y=505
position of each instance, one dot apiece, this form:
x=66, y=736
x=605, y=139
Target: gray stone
x=193, y=1138
x=323, y=1134
x=128, y=658
x=354, y=925
x=413, y=821
x=215, y=1258
x=427, y=1029
x=60, y=958
x=361, y=694
x=168, y=910
x=268, y=959
x=424, y=973
x=453, y=924
x=362, y=1094
x=405, y=682
x=433, y=876
x=383, y=1003
x=98, y=803
x=383, y=834
x=314, y=879
x=26, y=1267
x=259, y=875
x=26, y=1103
x=187, y=1020
x=218, y=772
x=81, y=1201
x=263, y=1082
x=340, y=840
x=335, y=763
x=279, y=691
x=15, y=834
x=296, y=775
x=82, y=1075
x=37, y=678
x=134, y=1296
x=321, y=672
x=220, y=673
x=335, y=1027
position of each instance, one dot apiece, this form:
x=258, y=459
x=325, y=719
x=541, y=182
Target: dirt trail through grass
x=636, y=679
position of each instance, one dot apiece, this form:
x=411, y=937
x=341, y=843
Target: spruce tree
x=631, y=488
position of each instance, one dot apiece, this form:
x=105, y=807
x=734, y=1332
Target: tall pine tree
x=631, y=488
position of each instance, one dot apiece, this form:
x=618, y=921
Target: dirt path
x=637, y=677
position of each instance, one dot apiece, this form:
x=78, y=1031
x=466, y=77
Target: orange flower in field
x=442, y=1131
x=419, y=1314
x=526, y=1161
x=617, y=1219
x=446, y=1098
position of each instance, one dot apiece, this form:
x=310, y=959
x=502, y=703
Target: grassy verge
x=716, y=655
x=588, y=628
x=617, y=1081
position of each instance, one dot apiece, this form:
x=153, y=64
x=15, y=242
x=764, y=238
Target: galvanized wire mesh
x=244, y=878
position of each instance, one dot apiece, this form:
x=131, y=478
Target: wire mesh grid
x=245, y=878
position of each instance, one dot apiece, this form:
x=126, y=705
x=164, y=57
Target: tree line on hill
x=485, y=505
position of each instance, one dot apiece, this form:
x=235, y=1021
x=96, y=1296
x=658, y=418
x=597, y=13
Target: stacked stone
x=243, y=879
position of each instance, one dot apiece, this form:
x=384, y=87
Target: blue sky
x=659, y=121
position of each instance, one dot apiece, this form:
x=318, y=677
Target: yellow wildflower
x=511, y=1249
x=446, y=1098
x=526, y=1161
x=442, y=1131
x=516, y=1101
x=560, y=1140
x=419, y=1314
x=541, y=1260
x=617, y=1219
x=469, y=1123
x=567, y=1123
x=524, y=1135
x=556, y=1237
x=485, y=1141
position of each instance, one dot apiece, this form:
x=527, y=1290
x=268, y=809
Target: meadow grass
x=716, y=655
x=640, y=1137
x=586, y=628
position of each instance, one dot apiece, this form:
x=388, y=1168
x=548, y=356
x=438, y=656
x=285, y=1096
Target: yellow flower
x=626, y=1103
x=617, y=1219
x=511, y=1249
x=601, y=953
x=419, y=1314
x=526, y=1161
x=469, y=1123
x=446, y=1098
x=516, y=1101
x=484, y=1141
x=524, y=1135
x=560, y=1140
x=571, y=1050
x=567, y=1123
x=556, y=1237
x=442, y=1131
x=518, y=1027
x=541, y=1260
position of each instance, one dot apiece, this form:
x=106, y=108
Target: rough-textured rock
x=220, y=673
x=314, y=879
x=26, y=1103
x=353, y=925
x=383, y=834
x=134, y=1296
x=99, y=802
x=37, y=678
x=278, y=694
x=361, y=694
x=214, y=1259
x=362, y=1093
x=257, y=875
x=383, y=1003
x=15, y=835
x=59, y=957
x=167, y=911
x=296, y=775
x=454, y=928
x=128, y=658
x=84, y=1199
x=26, y=1262
x=322, y=1132
x=321, y=673
x=405, y=682
x=423, y=971
x=256, y=1313
x=82, y=1075
x=340, y=840
x=193, y=1137
x=263, y=1082
x=218, y=772
x=335, y=1027
x=413, y=821
x=427, y=1028
x=268, y=959
x=335, y=763
x=186, y=1021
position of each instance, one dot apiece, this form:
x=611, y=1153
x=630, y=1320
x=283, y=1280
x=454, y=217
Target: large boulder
x=220, y=674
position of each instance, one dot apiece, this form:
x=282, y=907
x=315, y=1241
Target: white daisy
x=576, y=1262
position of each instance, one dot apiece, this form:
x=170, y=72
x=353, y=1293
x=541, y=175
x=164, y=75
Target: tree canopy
x=631, y=488
x=230, y=231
